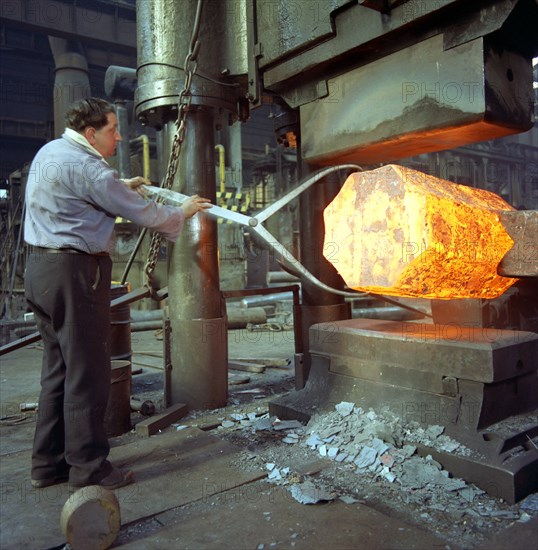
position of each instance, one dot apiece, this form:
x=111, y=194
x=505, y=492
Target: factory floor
x=201, y=484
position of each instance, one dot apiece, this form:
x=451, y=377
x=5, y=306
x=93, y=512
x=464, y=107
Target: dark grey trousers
x=69, y=294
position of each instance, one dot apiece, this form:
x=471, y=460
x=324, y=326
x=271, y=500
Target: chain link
x=183, y=106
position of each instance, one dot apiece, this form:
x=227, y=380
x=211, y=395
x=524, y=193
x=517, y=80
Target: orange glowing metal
x=399, y=232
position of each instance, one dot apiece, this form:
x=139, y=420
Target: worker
x=73, y=198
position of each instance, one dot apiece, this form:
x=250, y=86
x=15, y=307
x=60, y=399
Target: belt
x=64, y=250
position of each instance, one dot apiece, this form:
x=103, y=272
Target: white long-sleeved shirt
x=73, y=198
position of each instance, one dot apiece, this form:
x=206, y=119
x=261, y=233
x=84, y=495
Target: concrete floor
x=191, y=490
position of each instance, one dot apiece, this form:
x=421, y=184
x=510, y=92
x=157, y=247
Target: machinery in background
x=368, y=82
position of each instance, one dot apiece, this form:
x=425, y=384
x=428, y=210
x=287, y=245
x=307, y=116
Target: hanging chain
x=183, y=106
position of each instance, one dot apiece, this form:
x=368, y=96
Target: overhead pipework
x=71, y=80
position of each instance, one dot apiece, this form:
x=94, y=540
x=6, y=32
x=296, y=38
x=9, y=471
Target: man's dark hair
x=88, y=112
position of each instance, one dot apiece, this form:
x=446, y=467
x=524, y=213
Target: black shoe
x=114, y=480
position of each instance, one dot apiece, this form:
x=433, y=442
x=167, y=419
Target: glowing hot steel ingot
x=399, y=232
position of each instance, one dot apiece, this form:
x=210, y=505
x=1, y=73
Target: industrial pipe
x=146, y=408
x=120, y=86
x=144, y=139
x=71, y=80
x=120, y=82
x=236, y=317
x=279, y=277
x=143, y=326
x=222, y=171
x=317, y=306
x=200, y=345
x=265, y=299
x=123, y=151
x=389, y=313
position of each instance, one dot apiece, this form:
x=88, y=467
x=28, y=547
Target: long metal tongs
x=254, y=223
x=258, y=230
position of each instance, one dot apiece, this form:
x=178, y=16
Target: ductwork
x=71, y=80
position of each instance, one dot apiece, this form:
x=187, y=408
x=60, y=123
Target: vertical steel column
x=235, y=155
x=164, y=29
x=317, y=306
x=123, y=150
x=199, y=339
x=120, y=85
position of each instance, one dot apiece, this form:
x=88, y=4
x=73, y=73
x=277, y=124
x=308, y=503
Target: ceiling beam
x=115, y=28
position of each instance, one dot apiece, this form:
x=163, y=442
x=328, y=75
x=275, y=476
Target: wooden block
x=245, y=366
x=152, y=425
x=235, y=379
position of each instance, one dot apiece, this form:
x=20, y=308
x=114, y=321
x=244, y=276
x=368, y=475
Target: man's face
x=106, y=138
